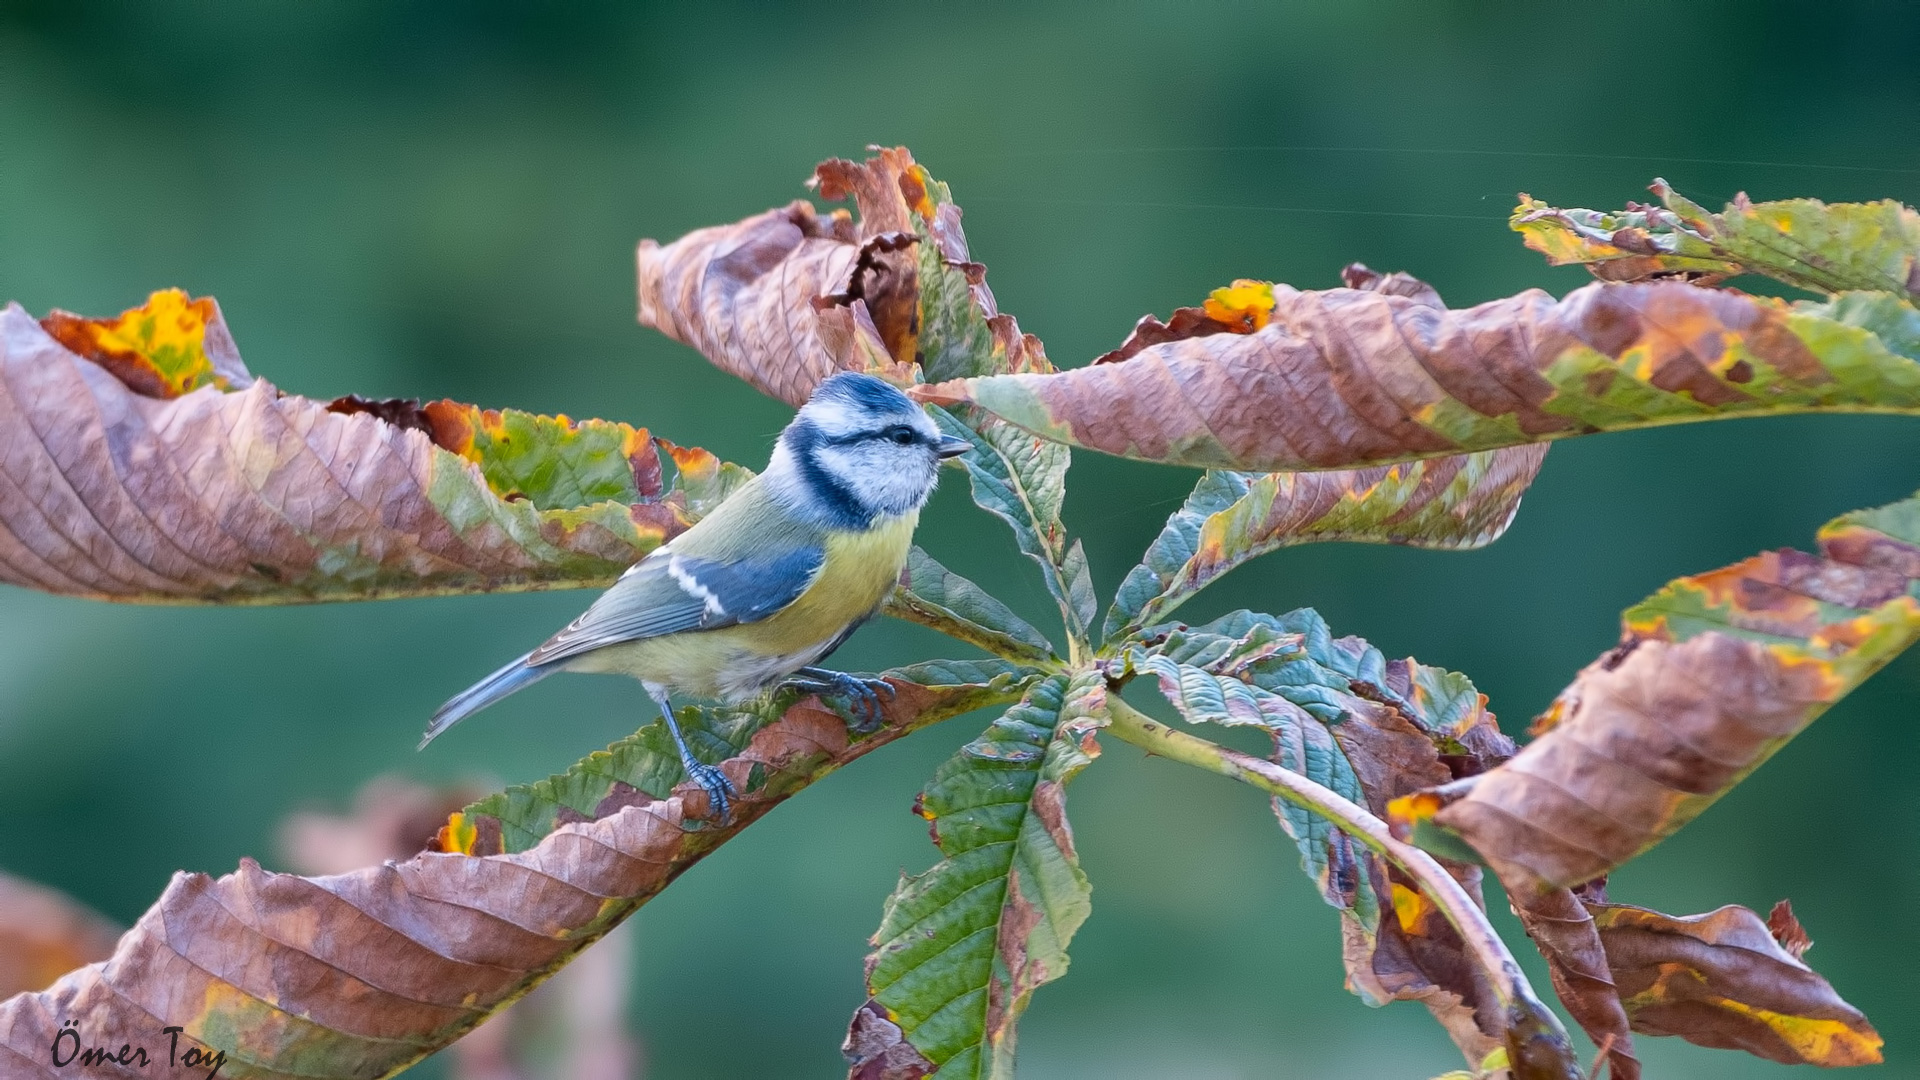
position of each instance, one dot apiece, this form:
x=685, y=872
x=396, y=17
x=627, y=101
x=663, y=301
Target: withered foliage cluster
x=140, y=460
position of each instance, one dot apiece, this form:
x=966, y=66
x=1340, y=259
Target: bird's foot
x=720, y=790
x=864, y=712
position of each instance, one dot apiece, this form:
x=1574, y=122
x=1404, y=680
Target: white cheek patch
x=692, y=587
x=882, y=476
x=832, y=417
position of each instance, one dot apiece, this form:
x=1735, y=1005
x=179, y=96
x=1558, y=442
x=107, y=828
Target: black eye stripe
x=890, y=434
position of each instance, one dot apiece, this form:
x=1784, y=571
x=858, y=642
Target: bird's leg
x=719, y=789
x=862, y=696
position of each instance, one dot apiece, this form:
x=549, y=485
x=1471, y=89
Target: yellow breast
x=861, y=570
x=735, y=662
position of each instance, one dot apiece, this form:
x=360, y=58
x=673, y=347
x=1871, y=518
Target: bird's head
x=860, y=449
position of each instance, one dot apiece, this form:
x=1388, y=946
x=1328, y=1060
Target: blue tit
x=768, y=583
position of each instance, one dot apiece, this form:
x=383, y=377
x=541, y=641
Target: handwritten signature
x=68, y=1050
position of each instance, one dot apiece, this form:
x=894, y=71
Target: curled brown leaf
x=1721, y=980
x=197, y=482
x=1787, y=931
x=1382, y=373
x=1713, y=674
x=752, y=296
x=1412, y=953
x=362, y=973
x=785, y=298
x=1564, y=932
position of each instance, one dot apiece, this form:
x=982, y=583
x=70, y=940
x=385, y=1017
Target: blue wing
x=671, y=593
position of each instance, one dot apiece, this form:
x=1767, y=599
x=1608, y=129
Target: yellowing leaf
x=1739, y=660
x=1383, y=373
x=162, y=349
x=236, y=493
x=1817, y=246
x=1720, y=979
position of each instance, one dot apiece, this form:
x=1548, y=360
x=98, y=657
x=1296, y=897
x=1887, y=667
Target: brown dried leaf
x=1412, y=953
x=785, y=298
x=730, y=291
x=44, y=934
x=877, y=1049
x=1381, y=373
x=1713, y=674
x=211, y=486
x=1721, y=980
x=1416, y=955
x=1787, y=931
x=363, y=973
x=752, y=296
x=1566, y=936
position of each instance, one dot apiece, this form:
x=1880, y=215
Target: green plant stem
x=1453, y=901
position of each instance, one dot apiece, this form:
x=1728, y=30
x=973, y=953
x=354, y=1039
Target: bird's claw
x=720, y=790
x=864, y=713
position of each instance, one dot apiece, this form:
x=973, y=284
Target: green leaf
x=1821, y=247
x=936, y=597
x=645, y=765
x=1170, y=552
x=1292, y=655
x=1437, y=382
x=551, y=461
x=1303, y=744
x=1023, y=481
x=955, y=339
x=961, y=948
x=1453, y=503
x=1371, y=729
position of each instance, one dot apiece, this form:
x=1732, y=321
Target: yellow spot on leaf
x=1820, y=1042
x=1650, y=629
x=924, y=204
x=1408, y=810
x=694, y=463
x=1411, y=908
x=1817, y=1041
x=157, y=349
x=457, y=836
x=1244, y=306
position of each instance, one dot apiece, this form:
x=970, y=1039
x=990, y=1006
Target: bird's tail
x=515, y=676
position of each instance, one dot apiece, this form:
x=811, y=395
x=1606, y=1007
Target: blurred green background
x=415, y=199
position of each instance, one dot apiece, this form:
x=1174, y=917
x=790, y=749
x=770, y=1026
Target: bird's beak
x=949, y=447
